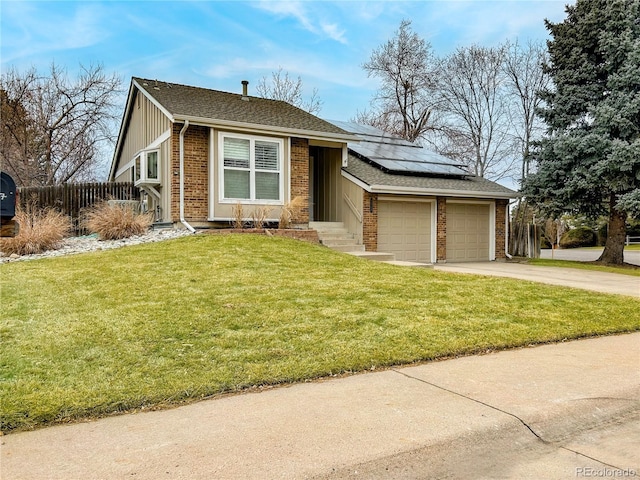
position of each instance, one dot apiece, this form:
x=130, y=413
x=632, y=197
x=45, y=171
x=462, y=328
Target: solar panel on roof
x=398, y=155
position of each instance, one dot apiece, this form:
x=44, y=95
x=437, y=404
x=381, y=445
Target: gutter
x=182, y=220
x=397, y=190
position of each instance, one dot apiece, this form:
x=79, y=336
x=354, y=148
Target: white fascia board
x=388, y=189
x=125, y=114
x=124, y=122
x=356, y=180
x=154, y=101
x=439, y=192
x=153, y=145
x=267, y=129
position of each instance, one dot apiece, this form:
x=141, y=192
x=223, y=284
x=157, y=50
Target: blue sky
x=218, y=44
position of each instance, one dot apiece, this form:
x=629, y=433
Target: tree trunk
x=614, y=247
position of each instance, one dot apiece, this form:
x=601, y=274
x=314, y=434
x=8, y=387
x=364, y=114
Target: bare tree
x=53, y=129
x=472, y=93
x=404, y=101
x=282, y=87
x=525, y=78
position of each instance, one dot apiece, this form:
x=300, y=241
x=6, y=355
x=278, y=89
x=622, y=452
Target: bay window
x=146, y=168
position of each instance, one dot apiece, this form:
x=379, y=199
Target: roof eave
x=398, y=190
x=266, y=129
x=125, y=119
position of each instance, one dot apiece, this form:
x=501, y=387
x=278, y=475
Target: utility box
x=8, y=195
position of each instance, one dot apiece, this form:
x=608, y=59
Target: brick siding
x=196, y=173
x=300, y=177
x=370, y=221
x=501, y=212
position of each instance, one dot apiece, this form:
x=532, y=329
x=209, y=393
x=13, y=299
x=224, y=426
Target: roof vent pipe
x=245, y=86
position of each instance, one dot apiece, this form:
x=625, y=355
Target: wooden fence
x=71, y=198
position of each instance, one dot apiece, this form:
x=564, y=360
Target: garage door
x=404, y=228
x=467, y=232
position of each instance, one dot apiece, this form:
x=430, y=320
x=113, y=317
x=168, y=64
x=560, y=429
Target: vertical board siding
x=147, y=123
x=72, y=198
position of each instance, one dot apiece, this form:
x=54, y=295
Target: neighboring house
x=198, y=152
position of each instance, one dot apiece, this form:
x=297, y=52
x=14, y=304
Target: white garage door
x=404, y=228
x=467, y=232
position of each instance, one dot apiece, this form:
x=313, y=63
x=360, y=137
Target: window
x=251, y=168
x=147, y=167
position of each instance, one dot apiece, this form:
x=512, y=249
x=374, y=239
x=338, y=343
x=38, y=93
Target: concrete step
x=329, y=242
x=328, y=227
x=336, y=235
x=377, y=256
x=347, y=248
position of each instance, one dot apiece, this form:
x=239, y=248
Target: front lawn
x=160, y=324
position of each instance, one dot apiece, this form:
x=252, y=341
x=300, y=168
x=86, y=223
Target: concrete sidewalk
x=566, y=410
x=567, y=277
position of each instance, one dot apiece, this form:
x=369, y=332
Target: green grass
x=161, y=324
x=546, y=262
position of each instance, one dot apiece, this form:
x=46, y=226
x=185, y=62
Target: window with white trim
x=146, y=167
x=251, y=168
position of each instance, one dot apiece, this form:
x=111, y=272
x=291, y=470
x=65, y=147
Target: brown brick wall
x=370, y=221
x=441, y=232
x=196, y=173
x=300, y=177
x=501, y=212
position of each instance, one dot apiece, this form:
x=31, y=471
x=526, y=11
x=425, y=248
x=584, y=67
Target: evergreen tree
x=589, y=161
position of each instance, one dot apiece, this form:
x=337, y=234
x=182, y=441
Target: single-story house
x=197, y=152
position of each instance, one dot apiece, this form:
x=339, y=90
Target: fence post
x=627, y=241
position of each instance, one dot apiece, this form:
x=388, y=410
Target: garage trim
x=492, y=222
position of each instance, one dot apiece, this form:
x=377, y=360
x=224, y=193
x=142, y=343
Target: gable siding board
x=146, y=124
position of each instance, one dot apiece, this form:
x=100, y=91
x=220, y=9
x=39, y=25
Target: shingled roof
x=377, y=181
x=185, y=102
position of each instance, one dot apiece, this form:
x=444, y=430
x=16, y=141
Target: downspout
x=182, y=220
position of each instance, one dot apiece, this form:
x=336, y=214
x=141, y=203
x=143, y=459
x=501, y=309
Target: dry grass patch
x=113, y=221
x=40, y=230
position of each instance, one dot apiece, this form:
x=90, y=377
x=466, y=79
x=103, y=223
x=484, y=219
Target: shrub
x=289, y=210
x=237, y=212
x=259, y=216
x=578, y=237
x=112, y=221
x=40, y=230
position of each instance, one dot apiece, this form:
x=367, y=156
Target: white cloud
x=32, y=33
x=298, y=10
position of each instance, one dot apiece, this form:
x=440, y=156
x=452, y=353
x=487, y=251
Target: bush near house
x=40, y=230
x=112, y=221
x=578, y=237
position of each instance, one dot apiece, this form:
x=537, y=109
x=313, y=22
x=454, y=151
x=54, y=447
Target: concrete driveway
x=567, y=277
x=568, y=410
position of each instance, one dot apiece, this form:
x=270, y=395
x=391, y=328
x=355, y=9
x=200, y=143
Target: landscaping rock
x=91, y=243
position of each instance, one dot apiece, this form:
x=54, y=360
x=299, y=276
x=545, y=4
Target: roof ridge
x=183, y=85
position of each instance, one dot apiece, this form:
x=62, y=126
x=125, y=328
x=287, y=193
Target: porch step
x=346, y=248
x=327, y=226
x=335, y=236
